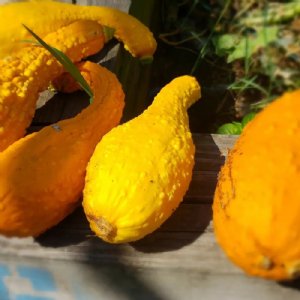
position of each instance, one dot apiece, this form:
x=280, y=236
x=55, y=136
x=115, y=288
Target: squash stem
x=108, y=33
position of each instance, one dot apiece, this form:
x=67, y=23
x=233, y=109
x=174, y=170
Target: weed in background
x=259, y=40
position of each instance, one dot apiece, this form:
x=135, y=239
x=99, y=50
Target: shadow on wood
x=124, y=280
x=71, y=231
x=181, y=229
x=193, y=215
x=295, y=284
x=186, y=231
x=187, y=223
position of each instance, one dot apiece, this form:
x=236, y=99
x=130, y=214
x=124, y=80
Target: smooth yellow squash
x=141, y=170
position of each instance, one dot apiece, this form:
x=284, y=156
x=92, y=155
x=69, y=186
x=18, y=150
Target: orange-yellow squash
x=137, y=38
x=141, y=170
x=42, y=175
x=30, y=70
x=256, y=210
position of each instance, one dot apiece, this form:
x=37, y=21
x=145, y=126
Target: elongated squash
x=137, y=38
x=30, y=70
x=256, y=210
x=42, y=174
x=141, y=170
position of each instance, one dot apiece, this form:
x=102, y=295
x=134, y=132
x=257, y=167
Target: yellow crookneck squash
x=137, y=38
x=42, y=174
x=30, y=70
x=256, y=210
x=141, y=170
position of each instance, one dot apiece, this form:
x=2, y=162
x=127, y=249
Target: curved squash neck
x=179, y=94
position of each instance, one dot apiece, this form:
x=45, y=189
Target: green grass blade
x=30, y=42
x=252, y=84
x=209, y=38
x=245, y=83
x=66, y=62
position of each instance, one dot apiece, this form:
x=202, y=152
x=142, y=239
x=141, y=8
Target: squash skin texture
x=256, y=205
x=30, y=70
x=42, y=175
x=141, y=170
x=137, y=38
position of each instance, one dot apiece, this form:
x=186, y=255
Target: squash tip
x=103, y=228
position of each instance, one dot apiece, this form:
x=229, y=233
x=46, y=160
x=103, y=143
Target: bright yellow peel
x=141, y=170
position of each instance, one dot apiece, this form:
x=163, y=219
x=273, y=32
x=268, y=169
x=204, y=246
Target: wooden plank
x=121, y=5
x=180, y=260
x=188, y=233
x=68, y=281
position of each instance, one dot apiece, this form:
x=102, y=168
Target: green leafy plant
x=234, y=45
x=254, y=46
x=236, y=128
